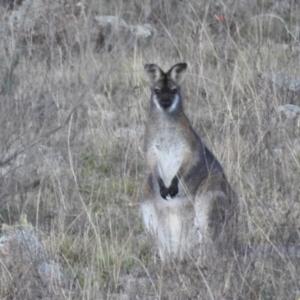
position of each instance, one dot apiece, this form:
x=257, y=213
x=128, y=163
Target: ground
x=74, y=101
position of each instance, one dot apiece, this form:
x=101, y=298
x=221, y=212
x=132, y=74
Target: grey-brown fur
x=187, y=202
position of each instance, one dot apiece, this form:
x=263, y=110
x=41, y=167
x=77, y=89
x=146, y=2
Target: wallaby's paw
x=173, y=190
x=164, y=192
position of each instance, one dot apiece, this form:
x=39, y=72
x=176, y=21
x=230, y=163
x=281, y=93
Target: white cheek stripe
x=174, y=104
x=156, y=103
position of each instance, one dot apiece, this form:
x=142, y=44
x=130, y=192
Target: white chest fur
x=168, y=150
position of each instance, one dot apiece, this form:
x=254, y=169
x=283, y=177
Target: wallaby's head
x=166, y=86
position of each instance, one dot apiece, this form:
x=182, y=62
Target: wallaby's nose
x=166, y=100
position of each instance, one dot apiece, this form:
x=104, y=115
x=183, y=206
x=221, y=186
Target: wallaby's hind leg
x=148, y=206
x=169, y=222
x=151, y=215
x=216, y=215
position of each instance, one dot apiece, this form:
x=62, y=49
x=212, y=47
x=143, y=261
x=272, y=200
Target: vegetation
x=74, y=101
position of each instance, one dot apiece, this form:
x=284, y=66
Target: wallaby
x=187, y=202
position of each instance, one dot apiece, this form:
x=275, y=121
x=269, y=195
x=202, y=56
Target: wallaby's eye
x=156, y=91
x=174, y=91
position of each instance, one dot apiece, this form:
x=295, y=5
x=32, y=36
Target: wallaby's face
x=166, y=86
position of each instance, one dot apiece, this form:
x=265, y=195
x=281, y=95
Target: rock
x=110, y=20
x=25, y=268
x=142, y=31
x=282, y=81
x=113, y=30
x=290, y=111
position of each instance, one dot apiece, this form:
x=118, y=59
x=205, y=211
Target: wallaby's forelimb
x=171, y=191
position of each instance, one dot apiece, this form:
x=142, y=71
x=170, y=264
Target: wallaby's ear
x=178, y=72
x=153, y=72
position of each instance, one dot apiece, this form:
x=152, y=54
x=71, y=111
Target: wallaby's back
x=187, y=202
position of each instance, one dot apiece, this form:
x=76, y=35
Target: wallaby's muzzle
x=166, y=100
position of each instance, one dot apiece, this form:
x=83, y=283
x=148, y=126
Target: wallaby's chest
x=168, y=148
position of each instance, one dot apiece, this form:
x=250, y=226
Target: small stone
x=290, y=111
x=292, y=84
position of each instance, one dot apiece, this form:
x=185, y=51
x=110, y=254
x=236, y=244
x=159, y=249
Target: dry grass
x=71, y=152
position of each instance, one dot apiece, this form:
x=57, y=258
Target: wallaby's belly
x=169, y=152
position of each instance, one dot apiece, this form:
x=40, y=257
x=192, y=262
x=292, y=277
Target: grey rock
x=25, y=266
x=282, y=81
x=110, y=20
x=139, y=31
x=142, y=31
x=290, y=111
